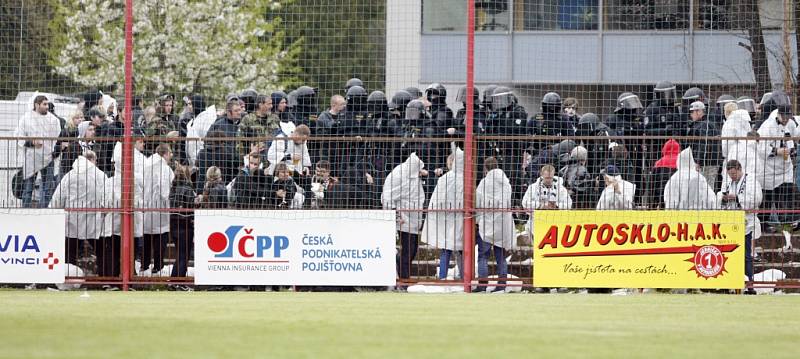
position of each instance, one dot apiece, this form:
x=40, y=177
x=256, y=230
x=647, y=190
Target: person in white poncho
x=36, y=154
x=402, y=190
x=618, y=193
x=158, y=178
x=444, y=227
x=777, y=176
x=495, y=228
x=83, y=187
x=745, y=148
x=687, y=188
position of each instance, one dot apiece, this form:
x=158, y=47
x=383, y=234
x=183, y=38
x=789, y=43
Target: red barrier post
x=127, y=152
x=469, y=222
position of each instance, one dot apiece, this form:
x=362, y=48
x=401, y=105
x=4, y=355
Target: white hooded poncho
x=83, y=187
x=747, y=151
x=612, y=200
x=445, y=229
x=112, y=223
x=158, y=178
x=777, y=170
x=494, y=192
x=403, y=190
x=687, y=189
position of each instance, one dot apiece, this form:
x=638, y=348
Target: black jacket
x=250, y=189
x=708, y=150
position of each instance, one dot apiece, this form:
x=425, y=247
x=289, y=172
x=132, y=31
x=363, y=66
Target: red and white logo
x=709, y=262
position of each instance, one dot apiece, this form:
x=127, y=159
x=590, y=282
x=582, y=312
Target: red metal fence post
x=469, y=223
x=127, y=151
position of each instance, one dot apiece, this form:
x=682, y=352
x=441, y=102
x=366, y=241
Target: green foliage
x=340, y=40
x=24, y=39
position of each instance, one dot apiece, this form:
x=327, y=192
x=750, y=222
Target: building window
x=449, y=15
x=646, y=14
x=531, y=15
x=727, y=15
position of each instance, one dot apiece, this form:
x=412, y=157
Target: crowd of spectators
x=368, y=151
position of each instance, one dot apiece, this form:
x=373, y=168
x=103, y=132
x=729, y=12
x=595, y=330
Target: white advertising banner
x=289, y=247
x=32, y=245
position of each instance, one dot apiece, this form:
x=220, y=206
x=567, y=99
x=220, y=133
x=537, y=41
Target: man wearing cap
x=706, y=146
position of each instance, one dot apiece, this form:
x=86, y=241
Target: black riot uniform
x=550, y=121
x=627, y=121
x=305, y=112
x=436, y=126
x=662, y=117
x=383, y=126
x=510, y=120
x=479, y=126
x=354, y=82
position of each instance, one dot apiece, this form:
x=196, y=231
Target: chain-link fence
x=306, y=105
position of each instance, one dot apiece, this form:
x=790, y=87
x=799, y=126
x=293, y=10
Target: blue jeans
x=48, y=185
x=748, y=256
x=485, y=249
x=444, y=263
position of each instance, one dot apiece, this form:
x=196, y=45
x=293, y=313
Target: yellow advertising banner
x=639, y=249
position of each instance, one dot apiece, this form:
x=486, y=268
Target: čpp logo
x=246, y=245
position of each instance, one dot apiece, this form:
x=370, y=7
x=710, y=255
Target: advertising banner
x=638, y=249
x=32, y=246
x=295, y=248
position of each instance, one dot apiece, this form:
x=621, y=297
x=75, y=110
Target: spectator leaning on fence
x=403, y=191
x=743, y=192
x=37, y=153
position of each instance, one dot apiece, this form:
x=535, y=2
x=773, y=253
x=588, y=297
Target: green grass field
x=40, y=324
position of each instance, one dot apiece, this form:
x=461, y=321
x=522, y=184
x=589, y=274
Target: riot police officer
x=353, y=82
x=305, y=112
x=479, y=127
x=510, y=120
x=550, y=121
x=662, y=116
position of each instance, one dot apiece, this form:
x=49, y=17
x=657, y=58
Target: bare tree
x=751, y=20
